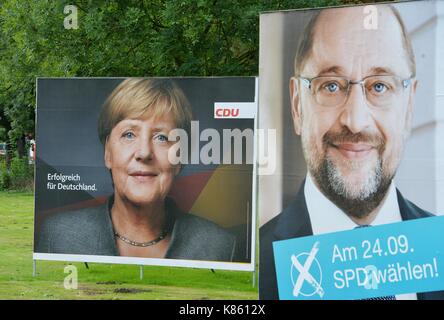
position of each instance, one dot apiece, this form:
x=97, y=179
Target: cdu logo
x=306, y=273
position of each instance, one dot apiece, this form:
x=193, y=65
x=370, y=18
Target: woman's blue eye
x=129, y=135
x=161, y=138
x=379, y=87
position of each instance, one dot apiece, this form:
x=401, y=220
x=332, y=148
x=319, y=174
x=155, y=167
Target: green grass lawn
x=100, y=281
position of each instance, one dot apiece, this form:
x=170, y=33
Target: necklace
x=143, y=244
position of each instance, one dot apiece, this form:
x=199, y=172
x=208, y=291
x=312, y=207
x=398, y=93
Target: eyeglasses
x=380, y=91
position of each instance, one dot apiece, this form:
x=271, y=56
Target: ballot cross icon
x=305, y=275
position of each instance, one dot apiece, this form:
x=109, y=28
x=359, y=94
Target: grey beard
x=355, y=203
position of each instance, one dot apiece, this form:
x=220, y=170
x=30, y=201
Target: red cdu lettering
x=227, y=112
x=234, y=113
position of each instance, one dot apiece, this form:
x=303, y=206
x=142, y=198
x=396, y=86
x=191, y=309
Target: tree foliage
x=124, y=38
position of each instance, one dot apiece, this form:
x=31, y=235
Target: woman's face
x=136, y=152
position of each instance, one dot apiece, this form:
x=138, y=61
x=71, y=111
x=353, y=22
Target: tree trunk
x=21, y=147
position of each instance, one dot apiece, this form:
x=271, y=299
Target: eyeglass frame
x=307, y=82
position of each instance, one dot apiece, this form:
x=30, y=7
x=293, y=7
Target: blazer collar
x=294, y=221
x=410, y=211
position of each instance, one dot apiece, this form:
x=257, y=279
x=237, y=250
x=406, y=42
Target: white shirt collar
x=326, y=217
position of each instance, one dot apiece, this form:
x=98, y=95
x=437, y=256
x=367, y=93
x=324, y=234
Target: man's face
x=353, y=149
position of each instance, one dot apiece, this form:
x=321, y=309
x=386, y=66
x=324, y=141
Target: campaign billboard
x=355, y=96
x=147, y=171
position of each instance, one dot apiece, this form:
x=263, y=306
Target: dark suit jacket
x=294, y=222
x=90, y=231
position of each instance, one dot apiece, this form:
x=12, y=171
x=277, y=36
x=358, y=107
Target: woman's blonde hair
x=138, y=97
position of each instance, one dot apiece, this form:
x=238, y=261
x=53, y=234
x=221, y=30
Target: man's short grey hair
x=306, y=41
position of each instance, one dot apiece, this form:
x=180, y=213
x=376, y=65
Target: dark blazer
x=90, y=231
x=294, y=222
